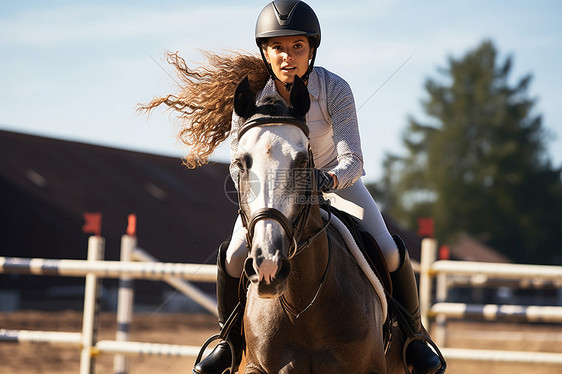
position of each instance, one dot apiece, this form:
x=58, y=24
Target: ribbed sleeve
x=341, y=108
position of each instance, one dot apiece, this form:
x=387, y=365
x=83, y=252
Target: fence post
x=441, y=290
x=92, y=294
x=124, y=304
x=428, y=255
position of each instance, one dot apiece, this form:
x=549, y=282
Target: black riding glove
x=324, y=180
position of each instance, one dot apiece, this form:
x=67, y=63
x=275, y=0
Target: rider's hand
x=324, y=181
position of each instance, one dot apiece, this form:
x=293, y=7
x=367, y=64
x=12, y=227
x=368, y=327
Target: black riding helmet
x=288, y=18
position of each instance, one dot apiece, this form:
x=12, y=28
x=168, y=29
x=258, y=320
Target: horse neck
x=310, y=264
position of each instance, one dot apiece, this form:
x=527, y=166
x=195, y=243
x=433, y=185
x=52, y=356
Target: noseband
x=295, y=228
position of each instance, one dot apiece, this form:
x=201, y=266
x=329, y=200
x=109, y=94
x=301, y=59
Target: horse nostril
x=256, y=273
x=284, y=269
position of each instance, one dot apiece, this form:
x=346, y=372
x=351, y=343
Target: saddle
x=367, y=245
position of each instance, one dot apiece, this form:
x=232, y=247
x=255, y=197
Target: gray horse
x=310, y=308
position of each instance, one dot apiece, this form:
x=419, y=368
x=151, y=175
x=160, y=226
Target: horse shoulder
x=350, y=279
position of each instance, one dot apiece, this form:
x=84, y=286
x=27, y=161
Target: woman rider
x=288, y=36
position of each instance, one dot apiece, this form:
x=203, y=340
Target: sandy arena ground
x=194, y=329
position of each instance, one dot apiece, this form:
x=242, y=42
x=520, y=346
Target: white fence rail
x=492, y=312
x=478, y=274
x=71, y=339
x=498, y=270
x=521, y=357
x=108, y=269
x=94, y=269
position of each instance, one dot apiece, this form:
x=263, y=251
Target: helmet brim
x=260, y=38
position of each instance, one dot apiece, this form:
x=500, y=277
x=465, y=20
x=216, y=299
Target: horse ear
x=300, y=100
x=244, y=99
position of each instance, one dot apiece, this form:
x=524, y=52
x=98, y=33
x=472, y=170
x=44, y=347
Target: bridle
x=294, y=229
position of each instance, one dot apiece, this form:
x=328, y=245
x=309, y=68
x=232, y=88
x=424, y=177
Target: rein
x=290, y=309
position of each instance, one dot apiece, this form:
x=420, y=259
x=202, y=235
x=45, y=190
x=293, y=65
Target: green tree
x=479, y=164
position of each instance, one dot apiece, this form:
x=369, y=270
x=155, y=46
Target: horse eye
x=301, y=162
x=244, y=163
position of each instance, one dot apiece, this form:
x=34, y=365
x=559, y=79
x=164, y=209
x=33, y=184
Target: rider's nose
x=287, y=56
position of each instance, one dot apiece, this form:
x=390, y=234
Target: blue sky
x=77, y=69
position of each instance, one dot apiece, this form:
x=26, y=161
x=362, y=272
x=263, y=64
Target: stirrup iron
x=223, y=337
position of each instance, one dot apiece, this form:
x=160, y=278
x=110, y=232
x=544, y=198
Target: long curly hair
x=204, y=102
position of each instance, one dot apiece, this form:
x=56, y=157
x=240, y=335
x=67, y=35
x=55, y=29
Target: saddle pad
x=361, y=261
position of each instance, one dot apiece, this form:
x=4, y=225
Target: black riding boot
x=219, y=360
x=418, y=354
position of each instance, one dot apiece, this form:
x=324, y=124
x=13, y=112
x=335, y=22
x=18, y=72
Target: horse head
x=274, y=162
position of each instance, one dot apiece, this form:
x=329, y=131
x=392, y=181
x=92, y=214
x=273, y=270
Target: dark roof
x=47, y=185
x=468, y=248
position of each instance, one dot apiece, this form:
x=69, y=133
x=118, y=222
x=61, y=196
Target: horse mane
x=204, y=102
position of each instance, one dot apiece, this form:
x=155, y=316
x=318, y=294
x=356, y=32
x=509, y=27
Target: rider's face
x=288, y=56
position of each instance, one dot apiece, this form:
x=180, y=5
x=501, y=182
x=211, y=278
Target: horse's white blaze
x=273, y=150
x=268, y=269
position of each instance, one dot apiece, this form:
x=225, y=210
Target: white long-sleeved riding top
x=334, y=130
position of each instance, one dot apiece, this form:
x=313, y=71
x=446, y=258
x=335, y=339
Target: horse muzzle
x=268, y=286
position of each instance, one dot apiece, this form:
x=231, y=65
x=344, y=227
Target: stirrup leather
x=410, y=336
